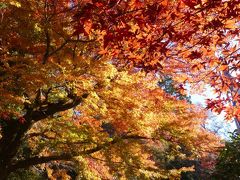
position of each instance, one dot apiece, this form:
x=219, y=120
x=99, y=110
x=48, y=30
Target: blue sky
x=215, y=121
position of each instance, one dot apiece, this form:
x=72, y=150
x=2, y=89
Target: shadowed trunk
x=14, y=130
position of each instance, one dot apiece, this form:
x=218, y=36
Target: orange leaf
x=230, y=24
x=223, y=67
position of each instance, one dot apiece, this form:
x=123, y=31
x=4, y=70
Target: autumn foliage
x=82, y=86
x=193, y=41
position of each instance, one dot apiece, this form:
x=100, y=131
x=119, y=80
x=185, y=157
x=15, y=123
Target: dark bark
x=39, y=160
x=47, y=51
x=51, y=108
x=44, y=159
x=14, y=131
x=10, y=143
x=232, y=92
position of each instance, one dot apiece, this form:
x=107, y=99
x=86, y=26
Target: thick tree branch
x=15, y=131
x=48, y=41
x=39, y=160
x=52, y=108
x=45, y=159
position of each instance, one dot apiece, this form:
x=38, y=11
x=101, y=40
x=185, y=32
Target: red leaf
x=191, y=3
x=21, y=120
x=195, y=55
x=107, y=38
x=5, y=116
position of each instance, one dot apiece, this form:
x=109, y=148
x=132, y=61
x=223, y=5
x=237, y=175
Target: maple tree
x=192, y=41
x=191, y=33
x=71, y=84
x=113, y=126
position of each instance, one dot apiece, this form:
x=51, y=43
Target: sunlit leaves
x=175, y=37
x=100, y=51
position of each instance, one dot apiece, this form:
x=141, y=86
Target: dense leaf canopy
x=97, y=87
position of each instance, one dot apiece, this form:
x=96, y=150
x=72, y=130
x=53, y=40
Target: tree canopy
x=100, y=86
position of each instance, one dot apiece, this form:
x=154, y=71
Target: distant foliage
x=167, y=84
x=228, y=163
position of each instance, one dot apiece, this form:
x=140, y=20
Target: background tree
x=228, y=162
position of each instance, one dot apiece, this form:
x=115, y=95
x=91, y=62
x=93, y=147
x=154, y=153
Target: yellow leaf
x=213, y=63
x=181, y=78
x=231, y=24
x=15, y=3
x=88, y=26
x=223, y=67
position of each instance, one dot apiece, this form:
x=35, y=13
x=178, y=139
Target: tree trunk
x=10, y=143
x=4, y=172
x=14, y=131
x=233, y=91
